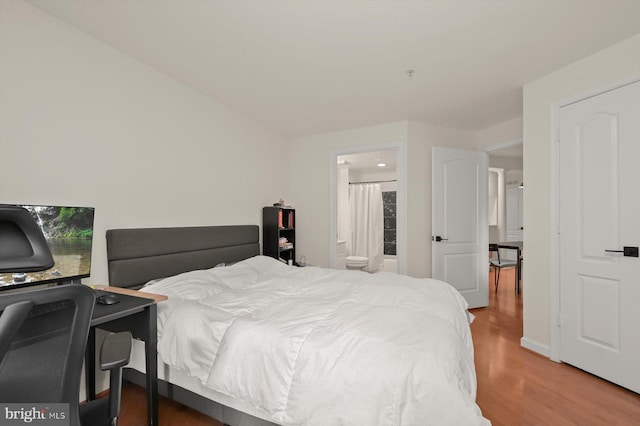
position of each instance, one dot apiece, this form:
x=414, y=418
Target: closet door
x=599, y=235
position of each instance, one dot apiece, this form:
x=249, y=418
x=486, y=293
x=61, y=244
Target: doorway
x=379, y=165
x=506, y=195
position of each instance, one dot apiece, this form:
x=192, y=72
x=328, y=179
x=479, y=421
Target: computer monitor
x=68, y=232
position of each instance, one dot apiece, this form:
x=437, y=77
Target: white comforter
x=313, y=346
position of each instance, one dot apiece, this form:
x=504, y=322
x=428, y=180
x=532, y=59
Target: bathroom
x=366, y=214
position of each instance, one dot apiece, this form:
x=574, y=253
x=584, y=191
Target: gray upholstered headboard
x=137, y=256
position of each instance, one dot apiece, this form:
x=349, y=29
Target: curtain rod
x=373, y=181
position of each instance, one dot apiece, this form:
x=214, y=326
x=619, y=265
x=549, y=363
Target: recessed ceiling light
x=381, y=165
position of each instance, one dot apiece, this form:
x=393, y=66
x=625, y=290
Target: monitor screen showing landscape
x=69, y=235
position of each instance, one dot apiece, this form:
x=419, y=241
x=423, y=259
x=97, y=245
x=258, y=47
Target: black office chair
x=43, y=335
x=498, y=264
x=23, y=248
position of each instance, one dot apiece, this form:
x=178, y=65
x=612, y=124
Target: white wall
x=372, y=176
x=506, y=133
x=505, y=162
x=83, y=124
x=309, y=174
x=500, y=133
x=310, y=190
x=616, y=64
x=423, y=137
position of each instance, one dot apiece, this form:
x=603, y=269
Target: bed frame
x=136, y=256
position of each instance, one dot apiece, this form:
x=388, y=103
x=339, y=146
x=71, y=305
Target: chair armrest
x=115, y=351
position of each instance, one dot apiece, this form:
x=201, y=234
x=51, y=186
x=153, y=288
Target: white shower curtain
x=367, y=223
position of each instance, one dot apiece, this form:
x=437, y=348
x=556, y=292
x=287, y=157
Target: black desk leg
x=151, y=354
x=519, y=274
x=90, y=365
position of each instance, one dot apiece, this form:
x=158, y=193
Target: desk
x=135, y=314
x=517, y=246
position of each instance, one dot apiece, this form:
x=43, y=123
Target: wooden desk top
x=157, y=297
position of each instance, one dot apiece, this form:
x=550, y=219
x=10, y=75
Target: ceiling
x=307, y=67
x=367, y=162
x=510, y=152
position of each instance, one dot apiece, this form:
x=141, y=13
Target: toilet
x=357, y=262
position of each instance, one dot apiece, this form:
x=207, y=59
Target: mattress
x=315, y=346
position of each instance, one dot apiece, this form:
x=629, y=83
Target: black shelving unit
x=279, y=222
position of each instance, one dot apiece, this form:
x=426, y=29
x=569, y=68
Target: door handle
x=438, y=238
x=626, y=251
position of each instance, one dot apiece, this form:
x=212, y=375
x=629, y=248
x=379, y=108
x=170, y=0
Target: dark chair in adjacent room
x=497, y=264
x=43, y=335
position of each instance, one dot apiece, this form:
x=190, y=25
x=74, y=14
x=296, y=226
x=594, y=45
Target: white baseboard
x=535, y=347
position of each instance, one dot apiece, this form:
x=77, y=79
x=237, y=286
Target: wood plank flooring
x=133, y=411
x=515, y=386
x=519, y=387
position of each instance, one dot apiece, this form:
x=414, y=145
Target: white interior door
x=460, y=228
x=599, y=211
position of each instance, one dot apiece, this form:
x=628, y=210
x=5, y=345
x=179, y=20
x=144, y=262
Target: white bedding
x=313, y=346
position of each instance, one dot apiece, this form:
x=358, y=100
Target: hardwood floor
x=519, y=387
x=133, y=411
x=515, y=386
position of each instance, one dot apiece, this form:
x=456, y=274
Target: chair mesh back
x=494, y=252
x=44, y=360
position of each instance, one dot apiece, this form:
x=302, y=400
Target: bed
x=249, y=340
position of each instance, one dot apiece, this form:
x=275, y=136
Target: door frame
x=401, y=198
x=555, y=344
